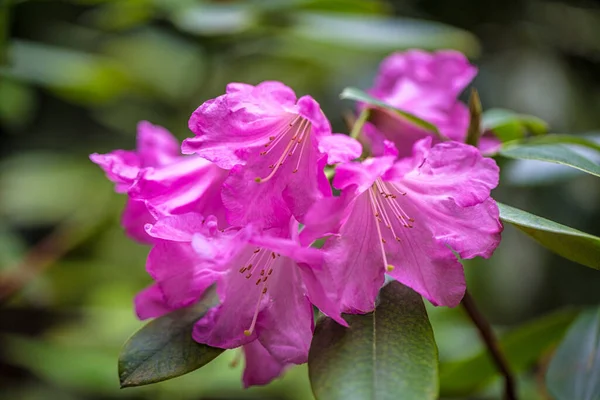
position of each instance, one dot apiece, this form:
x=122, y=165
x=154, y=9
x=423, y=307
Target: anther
x=383, y=241
x=271, y=138
x=264, y=290
x=273, y=255
x=249, y=275
x=242, y=270
x=257, y=281
x=389, y=268
x=256, y=251
x=270, y=272
x=262, y=272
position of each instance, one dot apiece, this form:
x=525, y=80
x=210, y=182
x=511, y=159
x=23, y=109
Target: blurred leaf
x=346, y=6
x=33, y=187
x=508, y=125
x=215, y=19
x=555, y=138
x=76, y=76
x=17, y=103
x=522, y=347
x=167, y=64
x=164, y=348
x=567, y=242
x=387, y=352
x=381, y=34
x=554, y=153
x=120, y=15
x=574, y=372
x=360, y=96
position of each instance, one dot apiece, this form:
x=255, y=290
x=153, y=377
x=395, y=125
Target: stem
x=359, y=123
x=488, y=337
x=475, y=111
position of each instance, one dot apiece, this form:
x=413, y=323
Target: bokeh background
x=76, y=76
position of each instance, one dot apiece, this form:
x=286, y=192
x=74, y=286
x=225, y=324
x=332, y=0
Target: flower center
x=387, y=210
x=296, y=133
x=260, y=264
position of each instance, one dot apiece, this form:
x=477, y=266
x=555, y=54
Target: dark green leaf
x=383, y=354
x=567, y=242
x=358, y=95
x=522, y=348
x=556, y=138
x=554, y=153
x=508, y=125
x=574, y=372
x=164, y=348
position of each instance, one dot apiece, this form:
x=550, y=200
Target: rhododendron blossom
x=406, y=218
x=276, y=147
x=160, y=181
x=426, y=85
x=266, y=284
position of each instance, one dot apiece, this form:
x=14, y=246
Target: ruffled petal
x=448, y=170
x=176, y=269
x=155, y=145
x=340, y=148
x=261, y=368
x=361, y=175
x=120, y=166
x=190, y=184
x=229, y=127
x=150, y=303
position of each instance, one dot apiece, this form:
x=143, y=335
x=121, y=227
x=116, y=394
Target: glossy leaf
x=574, y=372
x=554, y=153
x=508, y=125
x=164, y=348
x=383, y=354
x=570, y=243
x=360, y=96
x=522, y=348
x=556, y=138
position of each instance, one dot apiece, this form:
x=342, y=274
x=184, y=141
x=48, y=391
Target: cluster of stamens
x=299, y=128
x=266, y=259
x=387, y=210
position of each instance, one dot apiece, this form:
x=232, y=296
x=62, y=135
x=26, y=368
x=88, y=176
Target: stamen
x=381, y=242
x=249, y=331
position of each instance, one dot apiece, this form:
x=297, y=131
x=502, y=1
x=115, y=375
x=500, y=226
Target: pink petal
x=355, y=260
x=155, y=145
x=134, y=219
x=449, y=170
x=340, y=148
x=150, y=303
x=120, y=166
x=261, y=368
x=286, y=324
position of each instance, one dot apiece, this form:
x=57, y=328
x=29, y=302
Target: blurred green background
x=77, y=75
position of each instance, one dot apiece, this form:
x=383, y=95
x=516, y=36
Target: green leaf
x=556, y=138
x=508, y=125
x=164, y=348
x=522, y=348
x=380, y=34
x=384, y=353
x=570, y=243
x=574, y=372
x=554, y=153
x=355, y=94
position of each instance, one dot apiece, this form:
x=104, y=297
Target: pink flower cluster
x=228, y=212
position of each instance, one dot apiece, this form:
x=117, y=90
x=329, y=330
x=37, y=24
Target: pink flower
x=406, y=218
x=261, y=368
x=266, y=283
x=276, y=147
x=159, y=181
x=426, y=85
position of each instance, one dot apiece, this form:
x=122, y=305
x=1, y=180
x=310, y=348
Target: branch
x=485, y=331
